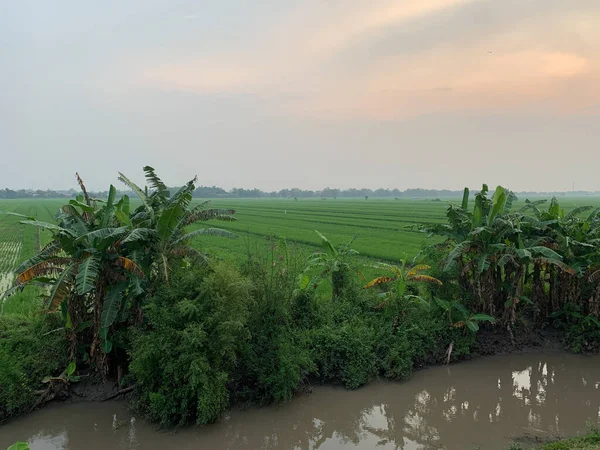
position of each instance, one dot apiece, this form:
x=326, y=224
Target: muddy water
x=477, y=404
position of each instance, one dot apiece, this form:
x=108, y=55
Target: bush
x=182, y=361
x=345, y=353
x=31, y=348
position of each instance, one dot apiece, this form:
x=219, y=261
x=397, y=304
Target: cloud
x=298, y=61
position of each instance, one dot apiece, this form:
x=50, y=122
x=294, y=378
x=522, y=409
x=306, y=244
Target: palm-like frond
x=87, y=274
x=172, y=216
x=377, y=281
x=546, y=252
x=22, y=216
x=135, y=188
x=61, y=288
x=326, y=244
x=45, y=225
x=83, y=189
x=203, y=215
x=107, y=212
x=197, y=256
x=49, y=266
x=138, y=234
x=103, y=233
x=204, y=232
x=577, y=211
x=416, y=269
x=156, y=184
x=426, y=279
x=558, y=263
x=458, y=250
x=47, y=252
x=130, y=266
x=594, y=276
x=112, y=305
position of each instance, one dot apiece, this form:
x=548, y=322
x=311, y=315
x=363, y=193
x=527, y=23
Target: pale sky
x=280, y=94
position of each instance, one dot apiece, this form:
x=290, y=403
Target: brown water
x=477, y=404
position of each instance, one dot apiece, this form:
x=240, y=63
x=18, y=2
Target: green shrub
x=182, y=361
x=31, y=348
x=276, y=362
x=345, y=353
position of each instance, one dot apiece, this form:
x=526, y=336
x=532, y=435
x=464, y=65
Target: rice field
x=18, y=243
x=381, y=227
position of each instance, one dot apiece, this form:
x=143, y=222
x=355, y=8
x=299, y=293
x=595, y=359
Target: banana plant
x=169, y=217
x=335, y=263
x=459, y=316
x=89, y=269
x=400, y=276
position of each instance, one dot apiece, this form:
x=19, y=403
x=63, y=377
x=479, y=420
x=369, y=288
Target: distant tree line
x=218, y=192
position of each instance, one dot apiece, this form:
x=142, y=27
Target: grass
x=590, y=441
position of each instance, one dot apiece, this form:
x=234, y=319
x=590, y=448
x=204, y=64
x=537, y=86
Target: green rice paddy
x=381, y=227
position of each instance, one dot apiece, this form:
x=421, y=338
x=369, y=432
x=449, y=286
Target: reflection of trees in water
x=449, y=410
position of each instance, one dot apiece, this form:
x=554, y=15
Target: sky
x=276, y=94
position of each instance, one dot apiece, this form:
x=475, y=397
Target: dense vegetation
x=129, y=297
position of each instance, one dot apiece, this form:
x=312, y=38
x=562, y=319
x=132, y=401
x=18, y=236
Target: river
x=479, y=404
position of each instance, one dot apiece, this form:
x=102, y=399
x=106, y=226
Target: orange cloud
x=523, y=69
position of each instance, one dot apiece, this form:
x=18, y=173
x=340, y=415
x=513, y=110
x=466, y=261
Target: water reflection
x=483, y=403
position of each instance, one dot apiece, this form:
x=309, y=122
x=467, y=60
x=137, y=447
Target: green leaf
x=138, y=234
x=123, y=218
x=71, y=368
x=106, y=346
x=482, y=318
x=45, y=225
x=19, y=446
x=546, y=252
x=443, y=304
x=303, y=281
x=458, y=250
x=473, y=326
x=22, y=216
x=498, y=204
x=327, y=245
x=477, y=211
x=61, y=288
x=400, y=287
x=108, y=209
x=103, y=233
x=483, y=263
x=465, y=200
x=136, y=285
x=160, y=189
x=83, y=206
x=112, y=304
x=205, y=232
x=135, y=188
x=87, y=273
x=577, y=211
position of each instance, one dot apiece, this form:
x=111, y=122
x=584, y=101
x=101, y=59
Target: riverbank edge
x=588, y=441
x=489, y=342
